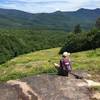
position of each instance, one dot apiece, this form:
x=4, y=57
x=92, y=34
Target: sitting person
x=64, y=68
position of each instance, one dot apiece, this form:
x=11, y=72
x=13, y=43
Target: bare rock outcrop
x=45, y=87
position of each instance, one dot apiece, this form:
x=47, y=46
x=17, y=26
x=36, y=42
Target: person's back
x=65, y=66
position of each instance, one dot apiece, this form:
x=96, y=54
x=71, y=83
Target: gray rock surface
x=44, y=87
x=7, y=92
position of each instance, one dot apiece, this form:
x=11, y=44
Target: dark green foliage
x=14, y=42
x=9, y=47
x=77, y=29
x=98, y=23
x=82, y=41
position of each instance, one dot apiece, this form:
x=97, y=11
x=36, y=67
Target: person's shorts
x=62, y=72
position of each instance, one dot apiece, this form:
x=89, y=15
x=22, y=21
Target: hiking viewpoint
x=49, y=50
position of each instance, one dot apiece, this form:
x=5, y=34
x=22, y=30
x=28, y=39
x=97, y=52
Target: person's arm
x=56, y=65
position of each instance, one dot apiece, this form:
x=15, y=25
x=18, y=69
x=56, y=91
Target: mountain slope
x=42, y=62
x=57, y=20
x=13, y=18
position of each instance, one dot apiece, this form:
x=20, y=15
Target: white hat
x=66, y=54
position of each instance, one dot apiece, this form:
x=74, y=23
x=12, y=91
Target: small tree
x=97, y=23
x=77, y=29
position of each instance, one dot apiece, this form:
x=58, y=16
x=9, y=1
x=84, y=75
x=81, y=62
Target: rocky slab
x=45, y=87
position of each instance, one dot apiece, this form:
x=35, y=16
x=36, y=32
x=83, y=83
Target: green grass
x=42, y=62
x=96, y=88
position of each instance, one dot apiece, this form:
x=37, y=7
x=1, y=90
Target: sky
x=38, y=6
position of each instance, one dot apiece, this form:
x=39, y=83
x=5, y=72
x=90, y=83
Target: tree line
x=80, y=41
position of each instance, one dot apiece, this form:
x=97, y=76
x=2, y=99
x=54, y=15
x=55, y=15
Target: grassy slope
x=42, y=62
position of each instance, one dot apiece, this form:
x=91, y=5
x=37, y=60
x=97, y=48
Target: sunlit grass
x=42, y=62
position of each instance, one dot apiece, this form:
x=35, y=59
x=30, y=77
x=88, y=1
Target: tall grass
x=42, y=62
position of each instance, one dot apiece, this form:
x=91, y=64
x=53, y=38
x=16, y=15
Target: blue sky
x=38, y=6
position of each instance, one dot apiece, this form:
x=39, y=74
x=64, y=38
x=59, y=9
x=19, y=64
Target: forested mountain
x=56, y=21
x=22, y=32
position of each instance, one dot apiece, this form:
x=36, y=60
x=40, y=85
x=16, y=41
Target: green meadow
x=40, y=62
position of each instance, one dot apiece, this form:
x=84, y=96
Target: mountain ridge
x=51, y=12
x=56, y=20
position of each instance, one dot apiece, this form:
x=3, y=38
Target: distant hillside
x=57, y=20
x=39, y=31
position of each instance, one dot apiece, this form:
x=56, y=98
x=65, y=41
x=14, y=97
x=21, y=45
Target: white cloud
x=35, y=6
